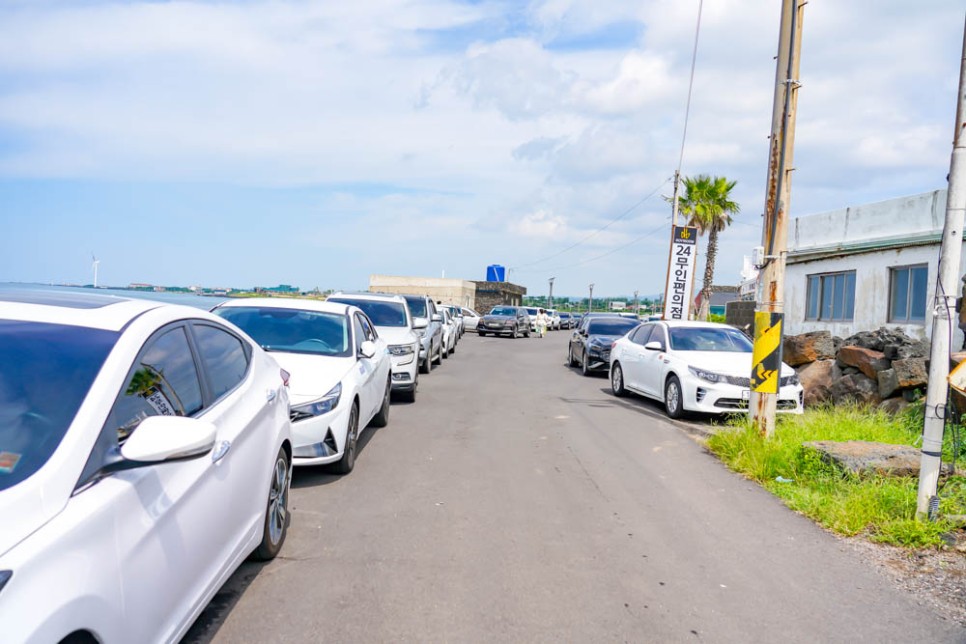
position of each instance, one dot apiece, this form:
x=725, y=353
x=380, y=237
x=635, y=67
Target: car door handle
x=270, y=394
x=221, y=451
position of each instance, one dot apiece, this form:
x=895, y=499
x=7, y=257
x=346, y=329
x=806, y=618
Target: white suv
x=391, y=316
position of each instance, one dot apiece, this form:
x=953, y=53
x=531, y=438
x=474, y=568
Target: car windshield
x=291, y=330
x=417, y=306
x=709, y=339
x=503, y=310
x=381, y=313
x=531, y=311
x=45, y=373
x=610, y=326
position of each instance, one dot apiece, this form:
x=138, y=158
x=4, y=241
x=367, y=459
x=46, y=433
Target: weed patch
x=882, y=508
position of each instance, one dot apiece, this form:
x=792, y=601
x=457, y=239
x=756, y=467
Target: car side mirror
x=367, y=349
x=169, y=438
x=653, y=346
x=437, y=318
x=420, y=323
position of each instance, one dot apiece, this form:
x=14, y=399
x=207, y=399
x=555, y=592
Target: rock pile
x=884, y=368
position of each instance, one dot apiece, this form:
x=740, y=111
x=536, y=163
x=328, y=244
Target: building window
x=831, y=297
x=907, y=294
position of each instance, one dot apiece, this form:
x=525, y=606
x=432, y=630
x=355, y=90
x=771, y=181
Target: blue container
x=495, y=273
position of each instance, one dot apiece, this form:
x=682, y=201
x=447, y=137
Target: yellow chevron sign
x=766, y=357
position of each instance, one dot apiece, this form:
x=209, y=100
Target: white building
x=866, y=266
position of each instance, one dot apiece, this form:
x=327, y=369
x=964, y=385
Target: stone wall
x=490, y=294
x=883, y=368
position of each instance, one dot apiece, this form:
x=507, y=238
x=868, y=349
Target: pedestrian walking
x=541, y=323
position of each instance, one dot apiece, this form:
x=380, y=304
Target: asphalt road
x=519, y=501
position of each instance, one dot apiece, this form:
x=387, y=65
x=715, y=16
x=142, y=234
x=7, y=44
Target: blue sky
x=313, y=143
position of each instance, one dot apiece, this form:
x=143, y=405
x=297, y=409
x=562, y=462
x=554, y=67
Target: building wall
x=490, y=294
x=869, y=239
x=449, y=291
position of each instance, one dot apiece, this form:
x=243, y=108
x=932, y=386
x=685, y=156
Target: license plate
x=745, y=394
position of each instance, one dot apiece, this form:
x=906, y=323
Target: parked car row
x=700, y=367
x=146, y=449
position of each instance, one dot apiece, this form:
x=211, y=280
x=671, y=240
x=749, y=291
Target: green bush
x=882, y=508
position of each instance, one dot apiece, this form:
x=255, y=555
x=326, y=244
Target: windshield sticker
x=8, y=461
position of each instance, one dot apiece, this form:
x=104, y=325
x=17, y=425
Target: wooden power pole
x=767, y=356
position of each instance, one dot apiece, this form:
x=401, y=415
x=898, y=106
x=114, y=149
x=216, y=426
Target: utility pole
x=766, y=358
x=637, y=303
x=550, y=297
x=674, y=198
x=945, y=303
x=590, y=300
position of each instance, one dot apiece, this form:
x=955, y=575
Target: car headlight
x=420, y=332
x=323, y=405
x=791, y=380
x=710, y=376
x=401, y=349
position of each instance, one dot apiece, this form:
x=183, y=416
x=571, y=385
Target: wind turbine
x=94, y=263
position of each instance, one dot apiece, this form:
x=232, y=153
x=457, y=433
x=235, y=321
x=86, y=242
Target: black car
x=590, y=344
x=505, y=320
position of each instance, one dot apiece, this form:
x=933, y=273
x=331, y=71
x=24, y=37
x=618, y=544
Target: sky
x=246, y=143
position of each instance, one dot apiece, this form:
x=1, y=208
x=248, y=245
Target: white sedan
x=144, y=454
x=341, y=373
x=470, y=319
x=693, y=366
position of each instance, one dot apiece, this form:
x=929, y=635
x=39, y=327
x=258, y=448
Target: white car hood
x=397, y=334
x=312, y=376
x=724, y=362
x=25, y=504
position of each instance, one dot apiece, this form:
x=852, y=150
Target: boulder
x=868, y=361
x=893, y=406
x=808, y=347
x=888, y=383
x=914, y=349
x=879, y=339
x=817, y=378
x=911, y=372
x=855, y=388
x=863, y=457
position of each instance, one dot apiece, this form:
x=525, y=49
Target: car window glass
x=46, y=371
x=658, y=335
x=723, y=339
x=360, y=335
x=417, y=306
x=163, y=382
x=642, y=335
x=291, y=330
x=367, y=329
x=224, y=357
x=381, y=313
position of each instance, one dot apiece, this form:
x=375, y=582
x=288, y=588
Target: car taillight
x=285, y=376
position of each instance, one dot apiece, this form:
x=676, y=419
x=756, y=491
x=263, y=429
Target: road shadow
x=212, y=618
x=318, y=475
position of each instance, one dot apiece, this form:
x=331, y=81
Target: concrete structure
x=618, y=306
x=720, y=296
x=866, y=266
x=449, y=291
x=490, y=294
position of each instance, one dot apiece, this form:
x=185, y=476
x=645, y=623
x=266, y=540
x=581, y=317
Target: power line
x=596, y=232
x=687, y=106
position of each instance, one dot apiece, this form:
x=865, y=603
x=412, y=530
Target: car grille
x=740, y=381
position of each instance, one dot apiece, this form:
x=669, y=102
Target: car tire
x=452, y=349
x=427, y=365
x=443, y=351
x=513, y=333
x=583, y=365
x=526, y=333
x=439, y=356
x=348, y=461
x=673, y=398
x=275, y=525
x=381, y=419
x=617, y=380
x=481, y=334
x=410, y=396
x=571, y=361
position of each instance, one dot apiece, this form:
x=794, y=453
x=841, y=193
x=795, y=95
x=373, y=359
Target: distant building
x=280, y=289
x=618, y=306
x=720, y=296
x=480, y=296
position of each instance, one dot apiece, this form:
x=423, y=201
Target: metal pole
x=550, y=297
x=942, y=319
x=674, y=199
x=771, y=279
x=590, y=301
x=637, y=303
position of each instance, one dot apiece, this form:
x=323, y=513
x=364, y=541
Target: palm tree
x=707, y=204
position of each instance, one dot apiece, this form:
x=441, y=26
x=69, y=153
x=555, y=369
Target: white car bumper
x=321, y=439
x=723, y=398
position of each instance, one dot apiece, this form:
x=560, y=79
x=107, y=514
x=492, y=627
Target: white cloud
x=492, y=128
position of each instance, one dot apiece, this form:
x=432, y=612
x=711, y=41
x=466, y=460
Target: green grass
x=881, y=508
